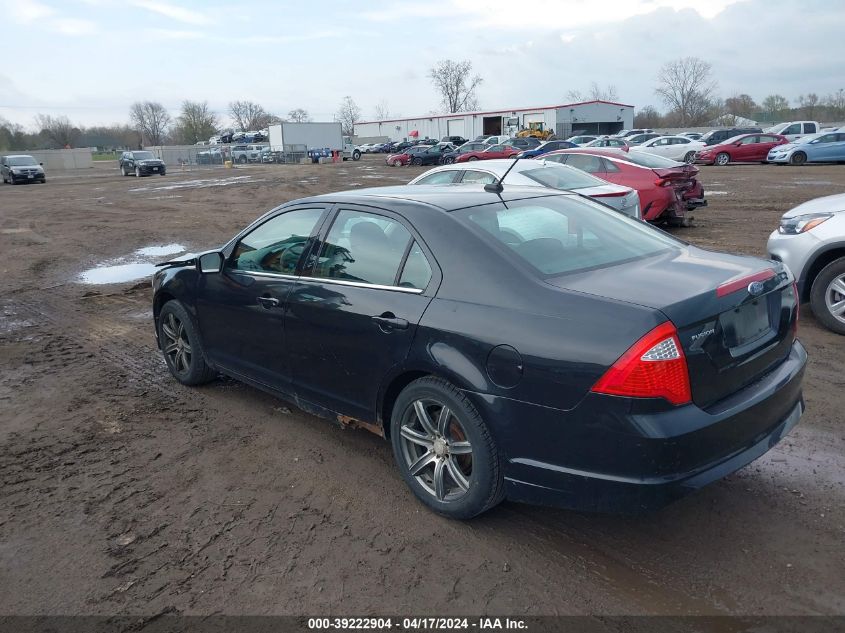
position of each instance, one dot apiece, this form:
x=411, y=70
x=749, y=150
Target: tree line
x=685, y=87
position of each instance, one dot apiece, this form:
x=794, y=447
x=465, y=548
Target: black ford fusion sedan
x=522, y=344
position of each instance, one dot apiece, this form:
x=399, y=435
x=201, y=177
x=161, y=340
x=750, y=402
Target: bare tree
x=248, y=115
x=151, y=119
x=686, y=87
x=595, y=93
x=456, y=85
x=836, y=101
x=775, y=105
x=648, y=117
x=808, y=104
x=196, y=122
x=382, y=111
x=741, y=105
x=299, y=115
x=348, y=115
x=58, y=130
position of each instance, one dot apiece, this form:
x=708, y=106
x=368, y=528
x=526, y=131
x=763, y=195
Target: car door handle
x=389, y=321
x=268, y=302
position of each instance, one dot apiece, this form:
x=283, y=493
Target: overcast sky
x=90, y=59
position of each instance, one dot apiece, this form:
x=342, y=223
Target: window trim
x=306, y=273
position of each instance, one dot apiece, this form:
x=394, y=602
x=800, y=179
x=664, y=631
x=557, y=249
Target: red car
x=667, y=189
x=494, y=151
x=405, y=158
x=746, y=148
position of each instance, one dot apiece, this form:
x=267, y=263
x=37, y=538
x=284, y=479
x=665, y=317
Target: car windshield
x=564, y=234
x=143, y=155
x=562, y=177
x=811, y=137
x=649, y=160
x=20, y=161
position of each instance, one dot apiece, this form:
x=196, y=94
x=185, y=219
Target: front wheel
x=242, y=160
x=444, y=450
x=689, y=157
x=448, y=160
x=137, y=172
x=472, y=158
x=180, y=343
x=123, y=170
x=722, y=159
x=417, y=162
x=798, y=158
x=356, y=155
x=827, y=296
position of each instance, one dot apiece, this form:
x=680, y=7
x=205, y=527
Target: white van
x=795, y=129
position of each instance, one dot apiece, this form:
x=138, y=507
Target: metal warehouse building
x=587, y=117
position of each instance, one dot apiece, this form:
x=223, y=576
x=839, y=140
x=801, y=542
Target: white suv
x=811, y=242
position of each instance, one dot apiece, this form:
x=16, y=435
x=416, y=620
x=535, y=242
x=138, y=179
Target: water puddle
x=138, y=265
x=812, y=182
x=716, y=193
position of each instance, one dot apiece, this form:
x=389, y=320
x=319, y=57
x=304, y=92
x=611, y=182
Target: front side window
x=563, y=234
x=363, y=247
x=795, y=128
x=276, y=245
x=438, y=178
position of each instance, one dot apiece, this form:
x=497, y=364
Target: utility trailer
x=312, y=136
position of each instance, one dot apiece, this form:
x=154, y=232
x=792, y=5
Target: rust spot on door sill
x=352, y=423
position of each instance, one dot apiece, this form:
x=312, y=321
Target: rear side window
x=417, y=271
x=479, y=177
x=363, y=247
x=276, y=245
x=561, y=234
x=809, y=128
x=560, y=177
x=585, y=162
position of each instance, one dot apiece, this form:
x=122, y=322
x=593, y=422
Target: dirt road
x=123, y=491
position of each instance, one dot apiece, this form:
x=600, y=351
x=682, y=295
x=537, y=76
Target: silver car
x=536, y=173
x=811, y=242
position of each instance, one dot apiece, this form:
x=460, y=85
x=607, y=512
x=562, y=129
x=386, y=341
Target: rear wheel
x=689, y=157
x=444, y=450
x=417, y=161
x=472, y=158
x=180, y=343
x=827, y=296
x=397, y=163
x=448, y=160
x=242, y=160
x=798, y=158
x=722, y=159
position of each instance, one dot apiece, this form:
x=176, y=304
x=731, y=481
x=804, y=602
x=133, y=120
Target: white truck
x=795, y=129
x=312, y=136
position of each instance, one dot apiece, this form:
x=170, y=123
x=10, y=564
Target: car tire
x=356, y=155
x=123, y=171
x=397, y=163
x=829, y=290
x=12, y=179
x=417, y=162
x=459, y=485
x=722, y=159
x=448, y=160
x=689, y=158
x=137, y=172
x=242, y=160
x=798, y=158
x=472, y=158
x=163, y=172
x=43, y=181
x=180, y=343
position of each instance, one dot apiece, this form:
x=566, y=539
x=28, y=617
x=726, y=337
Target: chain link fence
x=234, y=153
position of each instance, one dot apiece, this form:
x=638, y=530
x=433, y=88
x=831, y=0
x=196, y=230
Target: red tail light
x=654, y=367
x=662, y=182
x=738, y=284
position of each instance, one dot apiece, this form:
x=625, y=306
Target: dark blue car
x=545, y=148
x=520, y=344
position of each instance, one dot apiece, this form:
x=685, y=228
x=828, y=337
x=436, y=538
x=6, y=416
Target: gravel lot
x=124, y=492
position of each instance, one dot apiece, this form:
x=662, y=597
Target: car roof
x=448, y=199
x=16, y=156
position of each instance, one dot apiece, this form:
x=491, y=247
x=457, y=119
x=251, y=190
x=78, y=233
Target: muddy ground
x=124, y=492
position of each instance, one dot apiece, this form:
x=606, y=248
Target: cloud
x=174, y=12
x=175, y=34
x=73, y=26
x=544, y=14
x=26, y=12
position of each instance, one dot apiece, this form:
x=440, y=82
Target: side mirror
x=42, y=164
x=211, y=262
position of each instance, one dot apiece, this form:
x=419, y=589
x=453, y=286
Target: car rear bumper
x=609, y=455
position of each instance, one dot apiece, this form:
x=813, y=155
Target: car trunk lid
x=732, y=332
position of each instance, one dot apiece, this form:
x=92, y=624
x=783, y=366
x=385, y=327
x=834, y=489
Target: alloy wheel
x=177, y=347
x=436, y=450
x=834, y=298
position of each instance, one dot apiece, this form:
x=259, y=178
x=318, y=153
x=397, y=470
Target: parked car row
x=230, y=136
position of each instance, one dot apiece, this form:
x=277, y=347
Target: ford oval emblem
x=755, y=288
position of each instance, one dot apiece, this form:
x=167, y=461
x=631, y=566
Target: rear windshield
x=649, y=160
x=563, y=234
x=562, y=177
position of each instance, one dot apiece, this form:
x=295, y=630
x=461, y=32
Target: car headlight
x=802, y=223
